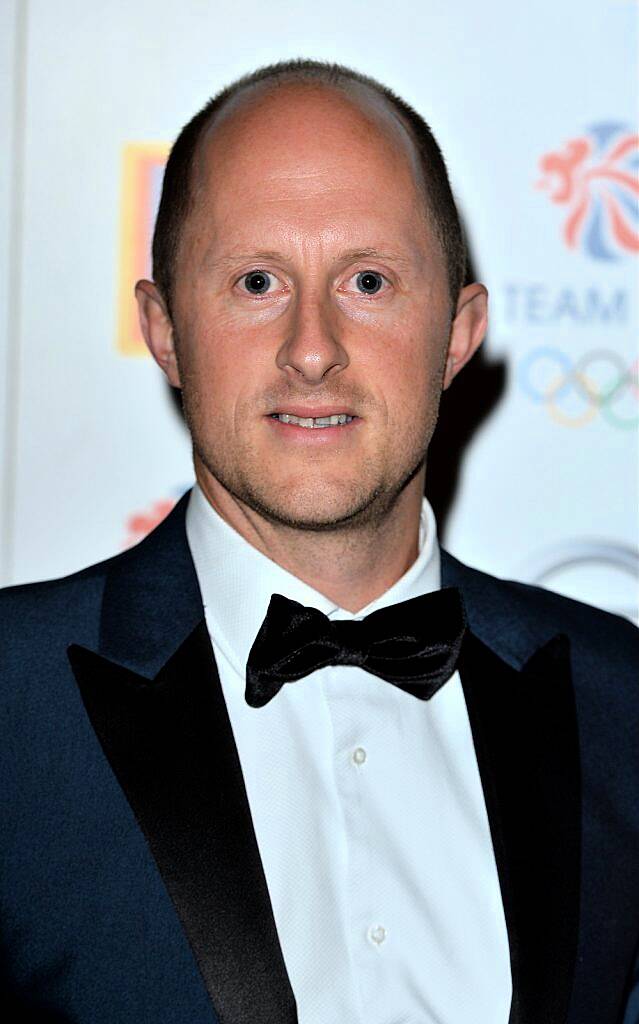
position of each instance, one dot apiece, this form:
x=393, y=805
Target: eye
x=369, y=282
x=258, y=282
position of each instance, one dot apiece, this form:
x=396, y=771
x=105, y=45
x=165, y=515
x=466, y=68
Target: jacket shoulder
x=523, y=616
x=39, y=619
x=23, y=605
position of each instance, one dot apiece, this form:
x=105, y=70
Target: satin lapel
x=525, y=733
x=170, y=744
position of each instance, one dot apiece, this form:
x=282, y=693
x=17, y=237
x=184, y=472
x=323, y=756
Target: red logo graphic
x=138, y=524
x=595, y=176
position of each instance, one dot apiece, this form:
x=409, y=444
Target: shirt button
x=359, y=755
x=377, y=934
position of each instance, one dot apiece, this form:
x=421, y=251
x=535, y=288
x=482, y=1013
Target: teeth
x=318, y=421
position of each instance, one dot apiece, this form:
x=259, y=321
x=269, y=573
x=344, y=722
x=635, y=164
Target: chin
x=313, y=500
x=319, y=509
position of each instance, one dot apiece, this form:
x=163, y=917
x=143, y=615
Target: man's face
x=309, y=284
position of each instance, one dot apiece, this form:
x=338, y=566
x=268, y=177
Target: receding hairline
x=373, y=105
x=359, y=94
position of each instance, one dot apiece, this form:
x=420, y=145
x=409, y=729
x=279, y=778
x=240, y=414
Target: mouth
x=314, y=422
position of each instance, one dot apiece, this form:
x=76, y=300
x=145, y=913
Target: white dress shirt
x=368, y=811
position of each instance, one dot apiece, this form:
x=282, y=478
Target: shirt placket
x=356, y=755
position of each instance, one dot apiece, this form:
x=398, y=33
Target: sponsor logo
x=142, y=171
x=575, y=391
x=602, y=573
x=595, y=177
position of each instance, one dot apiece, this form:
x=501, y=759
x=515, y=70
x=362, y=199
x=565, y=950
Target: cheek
x=409, y=375
x=222, y=372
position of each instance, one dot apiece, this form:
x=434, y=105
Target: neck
x=350, y=567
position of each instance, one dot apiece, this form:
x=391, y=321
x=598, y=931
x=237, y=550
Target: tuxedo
x=132, y=886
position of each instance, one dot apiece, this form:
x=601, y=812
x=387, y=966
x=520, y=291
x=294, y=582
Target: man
x=284, y=760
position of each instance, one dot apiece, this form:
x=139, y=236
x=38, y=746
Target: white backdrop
x=535, y=108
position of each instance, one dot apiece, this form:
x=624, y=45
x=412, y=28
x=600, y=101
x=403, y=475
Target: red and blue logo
x=595, y=177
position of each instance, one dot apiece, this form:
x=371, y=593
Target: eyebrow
x=353, y=255
x=231, y=259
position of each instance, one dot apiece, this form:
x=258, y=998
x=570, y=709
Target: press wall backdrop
x=535, y=107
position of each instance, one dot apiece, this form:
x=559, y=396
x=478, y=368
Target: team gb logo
x=595, y=177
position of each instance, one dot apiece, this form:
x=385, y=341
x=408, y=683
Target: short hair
x=177, y=193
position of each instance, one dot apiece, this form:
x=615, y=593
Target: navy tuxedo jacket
x=131, y=886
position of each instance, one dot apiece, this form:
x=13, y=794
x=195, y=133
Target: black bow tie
x=414, y=644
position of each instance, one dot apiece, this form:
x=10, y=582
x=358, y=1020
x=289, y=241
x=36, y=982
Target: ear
x=468, y=329
x=157, y=329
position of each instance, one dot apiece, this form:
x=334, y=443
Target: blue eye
x=257, y=282
x=369, y=282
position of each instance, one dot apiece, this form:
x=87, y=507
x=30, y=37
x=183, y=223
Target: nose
x=312, y=349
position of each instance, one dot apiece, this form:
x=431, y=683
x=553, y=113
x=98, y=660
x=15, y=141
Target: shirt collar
x=237, y=581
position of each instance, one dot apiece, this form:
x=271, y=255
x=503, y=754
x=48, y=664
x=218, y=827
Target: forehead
x=297, y=111
x=307, y=148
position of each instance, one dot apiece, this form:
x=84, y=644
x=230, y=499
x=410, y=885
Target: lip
x=292, y=433
x=314, y=413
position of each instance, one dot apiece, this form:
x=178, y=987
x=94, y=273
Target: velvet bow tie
x=414, y=645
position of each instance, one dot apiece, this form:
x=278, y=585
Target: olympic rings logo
x=573, y=392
